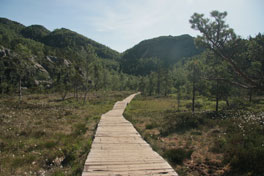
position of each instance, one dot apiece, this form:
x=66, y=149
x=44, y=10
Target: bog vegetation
x=209, y=88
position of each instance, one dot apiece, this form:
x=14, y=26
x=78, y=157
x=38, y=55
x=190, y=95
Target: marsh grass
x=228, y=142
x=43, y=135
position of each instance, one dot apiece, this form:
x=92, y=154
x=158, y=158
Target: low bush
x=180, y=122
x=219, y=145
x=79, y=128
x=245, y=149
x=177, y=156
x=149, y=126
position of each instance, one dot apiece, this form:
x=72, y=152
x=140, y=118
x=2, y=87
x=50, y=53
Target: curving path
x=118, y=149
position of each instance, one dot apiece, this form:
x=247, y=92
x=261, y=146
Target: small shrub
x=149, y=126
x=79, y=129
x=177, y=156
x=49, y=144
x=219, y=146
x=69, y=156
x=77, y=170
x=58, y=173
x=197, y=105
x=196, y=133
x=181, y=122
x=2, y=145
x=38, y=133
x=244, y=150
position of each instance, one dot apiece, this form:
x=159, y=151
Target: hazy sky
x=120, y=24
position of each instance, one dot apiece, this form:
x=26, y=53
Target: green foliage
x=78, y=44
x=80, y=128
x=149, y=126
x=244, y=148
x=149, y=54
x=177, y=156
x=62, y=60
x=180, y=123
x=35, y=32
x=220, y=39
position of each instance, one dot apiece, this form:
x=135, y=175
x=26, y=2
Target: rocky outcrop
x=57, y=60
x=4, y=52
x=37, y=65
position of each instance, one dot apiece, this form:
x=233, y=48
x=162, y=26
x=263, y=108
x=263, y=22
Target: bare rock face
x=56, y=60
x=37, y=66
x=4, y=52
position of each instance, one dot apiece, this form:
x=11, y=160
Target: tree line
x=228, y=67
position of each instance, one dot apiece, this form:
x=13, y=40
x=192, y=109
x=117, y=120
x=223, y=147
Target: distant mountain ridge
x=165, y=50
x=59, y=38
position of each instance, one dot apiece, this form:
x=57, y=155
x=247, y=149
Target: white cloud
x=123, y=23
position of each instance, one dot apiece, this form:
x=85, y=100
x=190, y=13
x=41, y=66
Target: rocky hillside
x=40, y=57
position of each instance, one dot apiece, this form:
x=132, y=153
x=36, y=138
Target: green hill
x=58, y=40
x=39, y=56
x=43, y=56
x=35, y=32
x=149, y=54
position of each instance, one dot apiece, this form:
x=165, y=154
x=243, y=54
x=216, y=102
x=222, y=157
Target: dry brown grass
x=46, y=136
x=151, y=115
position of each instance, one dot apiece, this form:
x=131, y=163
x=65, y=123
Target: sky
x=121, y=24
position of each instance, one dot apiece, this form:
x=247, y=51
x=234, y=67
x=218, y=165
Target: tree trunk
x=64, y=94
x=250, y=95
x=85, y=95
x=166, y=83
x=2, y=88
x=217, y=96
x=179, y=98
x=158, y=84
x=75, y=90
x=166, y=90
x=227, y=102
x=77, y=96
x=20, y=90
x=193, y=98
x=150, y=90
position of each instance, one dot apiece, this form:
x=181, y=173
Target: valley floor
x=43, y=135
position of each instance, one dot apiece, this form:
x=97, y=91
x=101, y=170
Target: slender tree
x=179, y=80
x=219, y=38
x=194, y=77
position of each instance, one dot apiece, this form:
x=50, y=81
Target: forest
x=207, y=80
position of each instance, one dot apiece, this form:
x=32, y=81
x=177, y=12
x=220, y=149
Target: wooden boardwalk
x=118, y=149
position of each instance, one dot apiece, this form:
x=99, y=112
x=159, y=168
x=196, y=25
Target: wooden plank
x=118, y=149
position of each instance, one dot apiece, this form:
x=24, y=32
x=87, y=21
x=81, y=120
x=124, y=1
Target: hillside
x=39, y=56
x=165, y=50
x=59, y=38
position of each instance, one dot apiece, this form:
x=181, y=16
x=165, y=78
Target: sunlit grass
x=46, y=136
x=208, y=134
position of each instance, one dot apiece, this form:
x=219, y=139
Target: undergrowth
x=43, y=135
x=228, y=142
